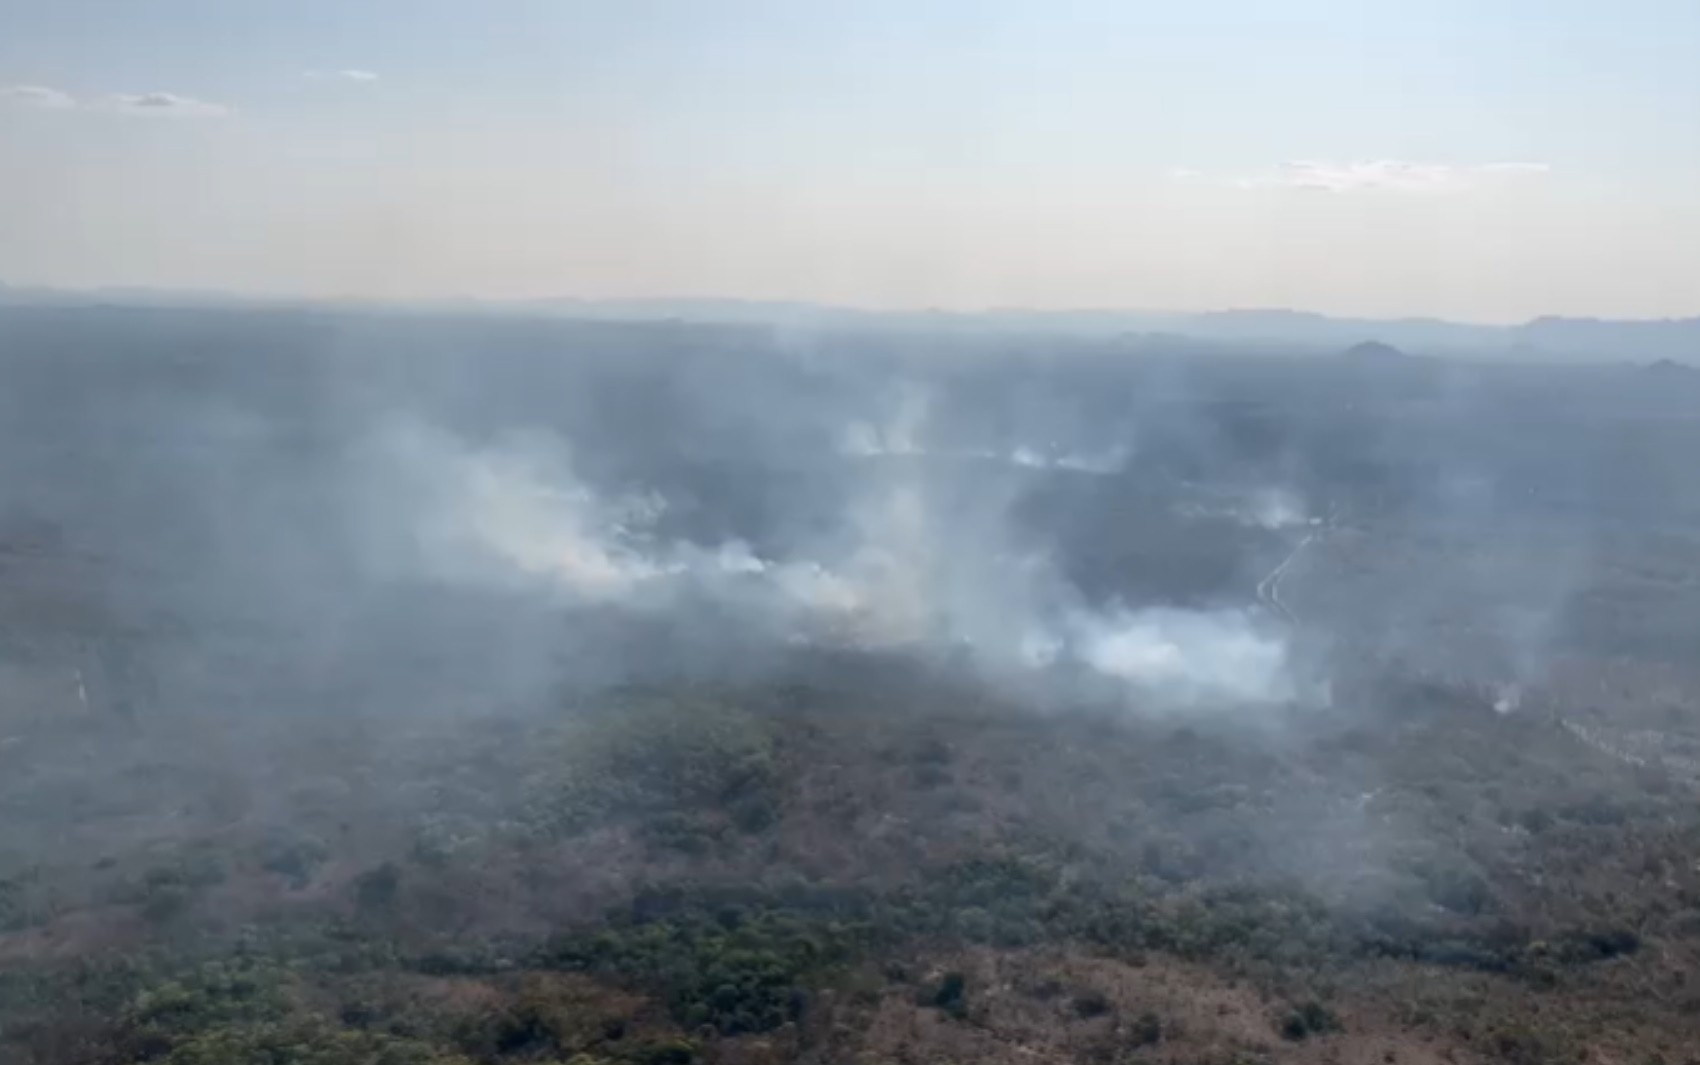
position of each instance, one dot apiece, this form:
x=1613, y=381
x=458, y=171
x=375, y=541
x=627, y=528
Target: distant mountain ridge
x=1550, y=338
x=1569, y=339
x=1374, y=351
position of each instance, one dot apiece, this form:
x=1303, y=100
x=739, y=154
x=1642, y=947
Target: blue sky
x=1482, y=160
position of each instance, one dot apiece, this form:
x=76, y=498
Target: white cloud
x=37, y=96
x=165, y=104
x=339, y=75
x=1378, y=175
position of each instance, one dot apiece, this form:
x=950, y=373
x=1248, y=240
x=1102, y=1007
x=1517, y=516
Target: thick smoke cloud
x=907, y=563
x=511, y=513
x=1189, y=658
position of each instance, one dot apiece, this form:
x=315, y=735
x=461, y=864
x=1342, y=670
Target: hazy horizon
x=191, y=297
x=1343, y=159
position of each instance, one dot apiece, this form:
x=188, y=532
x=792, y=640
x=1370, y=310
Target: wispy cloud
x=36, y=96
x=163, y=104
x=128, y=103
x=1376, y=175
x=339, y=75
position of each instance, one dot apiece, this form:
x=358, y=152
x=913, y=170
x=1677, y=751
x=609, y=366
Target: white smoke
x=1508, y=699
x=1102, y=463
x=900, y=434
x=1187, y=657
x=921, y=572
x=1274, y=508
x=1026, y=456
x=903, y=433
x=1270, y=508
x=903, y=571
x=515, y=513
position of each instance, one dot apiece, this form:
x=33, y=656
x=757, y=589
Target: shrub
x=1459, y=890
x=950, y=995
x=1147, y=1030
x=1308, y=1019
x=669, y=1052
x=293, y=858
x=733, y=971
x=1091, y=1004
x=1599, y=944
x=166, y=890
x=375, y=890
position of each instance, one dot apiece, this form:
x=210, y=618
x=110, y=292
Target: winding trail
x=1269, y=588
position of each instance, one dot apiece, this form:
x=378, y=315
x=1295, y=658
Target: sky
x=1476, y=160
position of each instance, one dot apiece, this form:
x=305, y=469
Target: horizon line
x=189, y=295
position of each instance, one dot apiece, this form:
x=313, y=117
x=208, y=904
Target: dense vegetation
x=723, y=929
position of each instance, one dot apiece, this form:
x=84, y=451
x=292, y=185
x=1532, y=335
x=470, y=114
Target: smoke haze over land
x=315, y=616
x=951, y=531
